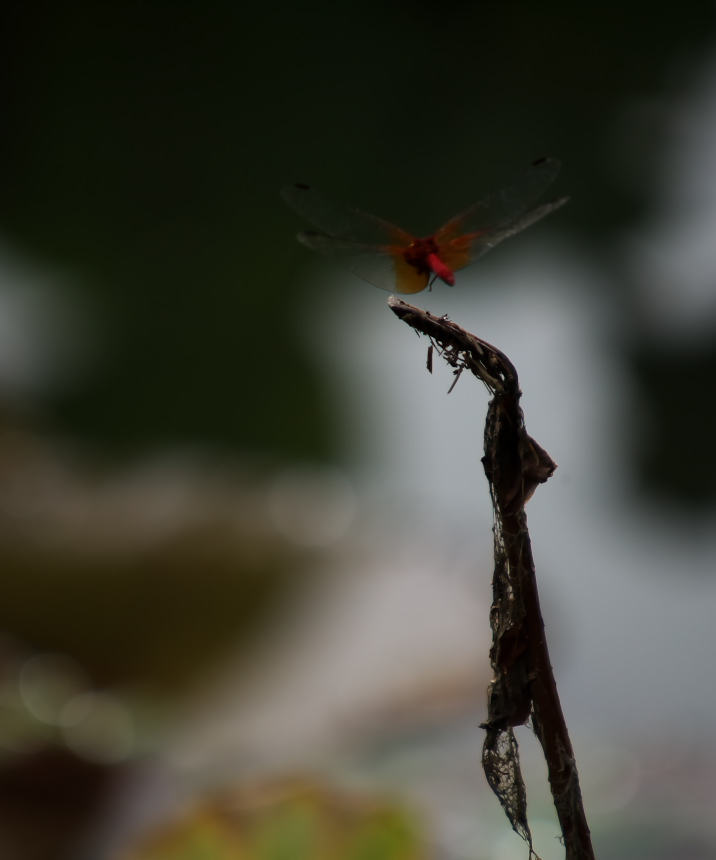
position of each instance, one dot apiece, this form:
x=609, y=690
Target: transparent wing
x=465, y=249
x=341, y=221
x=382, y=266
x=504, y=207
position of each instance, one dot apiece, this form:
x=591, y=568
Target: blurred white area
x=627, y=609
x=311, y=506
x=52, y=495
x=50, y=338
x=389, y=636
x=673, y=256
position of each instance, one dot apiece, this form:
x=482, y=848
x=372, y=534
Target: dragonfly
x=395, y=260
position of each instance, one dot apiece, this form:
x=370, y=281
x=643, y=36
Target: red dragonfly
x=394, y=260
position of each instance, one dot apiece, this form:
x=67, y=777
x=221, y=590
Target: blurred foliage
x=143, y=148
x=145, y=578
x=145, y=144
x=153, y=619
x=288, y=820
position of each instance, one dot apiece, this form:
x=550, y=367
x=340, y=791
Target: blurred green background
x=144, y=146
x=155, y=303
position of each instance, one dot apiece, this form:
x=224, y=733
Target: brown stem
x=547, y=716
x=523, y=681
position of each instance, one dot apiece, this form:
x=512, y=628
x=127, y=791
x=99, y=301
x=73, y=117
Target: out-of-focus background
x=245, y=538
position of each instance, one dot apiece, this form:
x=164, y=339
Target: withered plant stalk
x=523, y=684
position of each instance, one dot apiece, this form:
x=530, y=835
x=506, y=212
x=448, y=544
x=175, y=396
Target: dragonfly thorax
x=424, y=256
x=418, y=252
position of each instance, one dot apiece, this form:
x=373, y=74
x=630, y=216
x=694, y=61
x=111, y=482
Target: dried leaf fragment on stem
x=523, y=683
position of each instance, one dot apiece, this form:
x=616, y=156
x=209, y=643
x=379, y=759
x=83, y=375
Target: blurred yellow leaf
x=287, y=820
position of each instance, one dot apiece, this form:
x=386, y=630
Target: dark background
x=144, y=146
x=142, y=151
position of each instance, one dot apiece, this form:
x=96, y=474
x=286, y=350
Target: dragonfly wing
x=505, y=206
x=463, y=250
x=341, y=221
x=373, y=263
